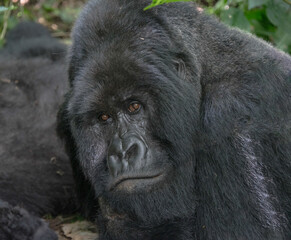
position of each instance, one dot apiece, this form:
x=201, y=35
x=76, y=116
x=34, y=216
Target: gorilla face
x=128, y=122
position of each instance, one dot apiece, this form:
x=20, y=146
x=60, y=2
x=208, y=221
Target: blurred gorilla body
x=35, y=173
x=180, y=124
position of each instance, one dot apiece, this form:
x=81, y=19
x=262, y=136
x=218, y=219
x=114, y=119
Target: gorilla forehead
x=125, y=77
x=119, y=22
x=118, y=38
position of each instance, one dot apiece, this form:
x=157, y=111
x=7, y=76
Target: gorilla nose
x=125, y=153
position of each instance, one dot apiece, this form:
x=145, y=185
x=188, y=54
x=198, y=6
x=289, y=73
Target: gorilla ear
x=180, y=68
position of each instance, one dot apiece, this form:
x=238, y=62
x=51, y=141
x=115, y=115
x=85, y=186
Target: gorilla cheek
x=91, y=153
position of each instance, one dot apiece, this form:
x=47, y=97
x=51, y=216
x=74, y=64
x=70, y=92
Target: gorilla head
x=135, y=119
x=157, y=122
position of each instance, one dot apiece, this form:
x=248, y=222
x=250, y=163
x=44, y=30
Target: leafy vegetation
x=268, y=19
x=58, y=15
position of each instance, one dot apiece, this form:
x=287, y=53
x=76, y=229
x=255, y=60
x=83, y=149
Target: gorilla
x=180, y=125
x=35, y=173
x=177, y=127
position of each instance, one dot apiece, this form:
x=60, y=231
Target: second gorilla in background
x=35, y=173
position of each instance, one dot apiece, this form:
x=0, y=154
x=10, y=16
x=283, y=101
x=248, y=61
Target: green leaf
x=160, y=2
x=219, y=6
x=235, y=17
x=282, y=39
x=278, y=12
x=256, y=3
x=234, y=2
x=47, y=8
x=255, y=14
x=68, y=15
x=260, y=30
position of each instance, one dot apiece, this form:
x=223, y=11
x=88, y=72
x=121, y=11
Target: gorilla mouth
x=129, y=182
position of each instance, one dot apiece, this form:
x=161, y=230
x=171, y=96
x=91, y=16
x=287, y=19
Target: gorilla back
x=35, y=173
x=180, y=125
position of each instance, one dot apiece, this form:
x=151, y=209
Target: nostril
x=132, y=151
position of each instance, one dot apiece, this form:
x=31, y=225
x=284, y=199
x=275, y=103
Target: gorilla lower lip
x=129, y=182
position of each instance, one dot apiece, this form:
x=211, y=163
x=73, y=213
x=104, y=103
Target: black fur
x=17, y=224
x=35, y=173
x=216, y=108
x=31, y=40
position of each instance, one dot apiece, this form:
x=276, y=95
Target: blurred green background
x=268, y=19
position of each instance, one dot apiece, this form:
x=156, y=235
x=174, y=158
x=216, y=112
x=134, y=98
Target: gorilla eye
x=134, y=107
x=104, y=117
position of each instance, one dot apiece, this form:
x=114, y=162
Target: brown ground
x=77, y=230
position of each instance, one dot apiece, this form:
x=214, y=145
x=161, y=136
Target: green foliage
x=5, y=14
x=52, y=11
x=58, y=15
x=159, y=2
x=268, y=19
